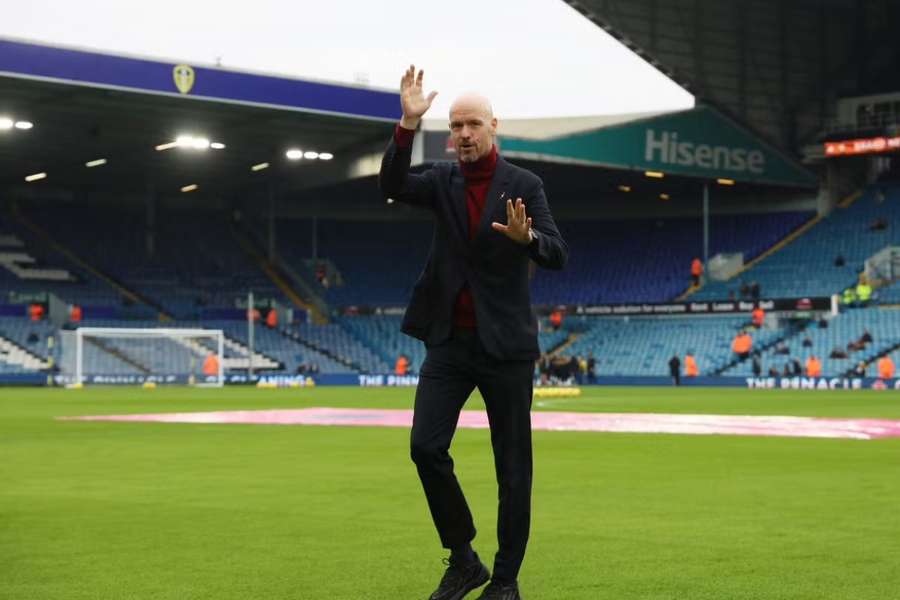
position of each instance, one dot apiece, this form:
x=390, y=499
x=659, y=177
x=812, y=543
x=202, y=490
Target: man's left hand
x=518, y=226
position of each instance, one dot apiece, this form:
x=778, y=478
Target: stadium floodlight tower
x=149, y=355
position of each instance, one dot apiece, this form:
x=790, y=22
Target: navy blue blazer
x=494, y=266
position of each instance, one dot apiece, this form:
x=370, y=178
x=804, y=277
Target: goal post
x=148, y=355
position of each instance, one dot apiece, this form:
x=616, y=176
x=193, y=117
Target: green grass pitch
x=98, y=510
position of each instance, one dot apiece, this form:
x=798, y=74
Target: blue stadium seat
x=807, y=266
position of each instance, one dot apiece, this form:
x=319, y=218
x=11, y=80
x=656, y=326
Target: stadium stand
x=272, y=343
x=849, y=326
x=198, y=266
x=196, y=263
x=335, y=340
x=71, y=284
x=611, y=262
x=370, y=344
x=382, y=333
x=889, y=295
x=23, y=345
x=28, y=335
x=809, y=266
x=644, y=345
x=378, y=261
x=549, y=339
x=648, y=261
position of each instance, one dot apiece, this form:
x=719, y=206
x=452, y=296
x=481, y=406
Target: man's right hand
x=413, y=101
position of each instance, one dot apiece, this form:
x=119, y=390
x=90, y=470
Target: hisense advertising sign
x=664, y=148
x=700, y=142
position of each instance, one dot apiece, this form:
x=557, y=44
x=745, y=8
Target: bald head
x=473, y=126
x=472, y=102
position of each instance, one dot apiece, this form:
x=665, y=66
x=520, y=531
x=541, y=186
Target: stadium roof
x=774, y=65
x=551, y=127
x=87, y=106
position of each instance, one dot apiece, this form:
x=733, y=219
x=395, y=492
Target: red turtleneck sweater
x=478, y=177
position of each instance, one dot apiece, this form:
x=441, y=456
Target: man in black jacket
x=675, y=369
x=472, y=308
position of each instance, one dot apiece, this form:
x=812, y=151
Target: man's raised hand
x=518, y=226
x=413, y=101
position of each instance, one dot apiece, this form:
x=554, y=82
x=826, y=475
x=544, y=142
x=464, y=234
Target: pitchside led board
x=699, y=142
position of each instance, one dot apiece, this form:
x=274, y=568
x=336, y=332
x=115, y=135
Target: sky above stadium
x=533, y=58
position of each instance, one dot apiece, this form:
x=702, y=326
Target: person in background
x=855, y=346
x=879, y=224
x=75, y=313
x=848, y=296
x=690, y=365
x=556, y=319
x=755, y=291
x=757, y=365
x=272, y=318
x=742, y=344
x=544, y=369
x=860, y=369
x=813, y=366
x=863, y=292
x=696, y=271
x=582, y=370
x=886, y=367
x=211, y=365
x=758, y=316
x=675, y=369
x=773, y=371
x=572, y=370
x=36, y=311
x=796, y=368
x=401, y=366
x=322, y=275
x=591, y=368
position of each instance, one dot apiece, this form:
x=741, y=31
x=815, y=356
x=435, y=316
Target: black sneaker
x=500, y=591
x=460, y=579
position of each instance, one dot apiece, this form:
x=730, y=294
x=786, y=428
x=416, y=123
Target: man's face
x=472, y=129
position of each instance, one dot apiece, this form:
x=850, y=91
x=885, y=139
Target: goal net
x=113, y=355
x=883, y=267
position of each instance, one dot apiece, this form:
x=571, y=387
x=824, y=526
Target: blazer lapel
x=498, y=193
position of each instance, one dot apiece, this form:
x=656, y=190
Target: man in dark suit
x=472, y=308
